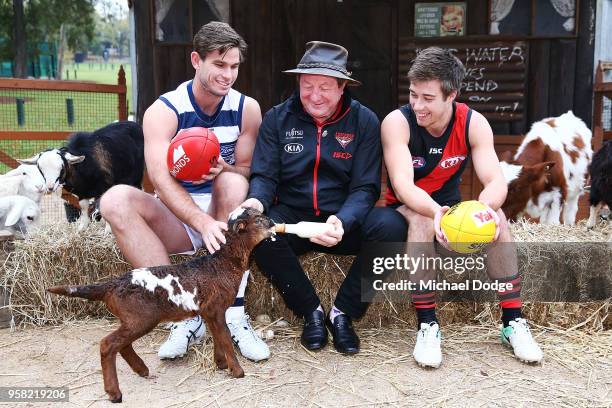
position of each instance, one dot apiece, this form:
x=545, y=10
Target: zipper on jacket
x=315, y=202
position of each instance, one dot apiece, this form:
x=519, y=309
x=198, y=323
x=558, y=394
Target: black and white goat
x=601, y=182
x=91, y=163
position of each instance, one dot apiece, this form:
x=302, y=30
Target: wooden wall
x=277, y=31
x=559, y=72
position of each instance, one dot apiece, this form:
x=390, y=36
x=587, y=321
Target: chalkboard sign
x=496, y=75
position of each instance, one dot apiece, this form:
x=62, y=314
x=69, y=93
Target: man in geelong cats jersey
x=426, y=146
x=187, y=216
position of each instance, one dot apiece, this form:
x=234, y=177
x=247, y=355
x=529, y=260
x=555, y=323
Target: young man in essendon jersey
x=426, y=146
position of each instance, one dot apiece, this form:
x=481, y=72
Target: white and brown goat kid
x=548, y=171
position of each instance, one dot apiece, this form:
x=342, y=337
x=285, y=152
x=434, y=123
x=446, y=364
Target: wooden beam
x=45, y=85
x=8, y=160
x=34, y=135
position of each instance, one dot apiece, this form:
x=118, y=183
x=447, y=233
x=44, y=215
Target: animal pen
x=602, y=105
x=41, y=114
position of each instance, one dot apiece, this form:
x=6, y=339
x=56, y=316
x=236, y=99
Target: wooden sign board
x=496, y=74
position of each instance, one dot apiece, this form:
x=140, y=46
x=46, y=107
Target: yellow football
x=469, y=226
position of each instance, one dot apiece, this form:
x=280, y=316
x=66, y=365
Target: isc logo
x=435, y=150
x=293, y=148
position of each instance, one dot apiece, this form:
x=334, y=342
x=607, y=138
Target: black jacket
x=329, y=169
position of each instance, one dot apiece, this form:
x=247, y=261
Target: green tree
x=112, y=27
x=70, y=22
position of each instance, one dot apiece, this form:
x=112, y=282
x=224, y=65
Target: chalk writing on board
x=495, y=80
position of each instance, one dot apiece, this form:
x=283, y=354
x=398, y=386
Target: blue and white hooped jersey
x=226, y=123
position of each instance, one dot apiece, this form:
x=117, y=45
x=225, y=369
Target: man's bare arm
x=395, y=134
x=159, y=126
x=486, y=163
x=251, y=120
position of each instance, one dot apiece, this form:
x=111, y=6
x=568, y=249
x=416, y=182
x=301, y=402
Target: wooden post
x=122, y=106
x=597, y=109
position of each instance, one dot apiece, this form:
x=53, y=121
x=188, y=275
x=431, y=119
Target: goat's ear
x=30, y=160
x=14, y=214
x=14, y=172
x=72, y=159
x=239, y=225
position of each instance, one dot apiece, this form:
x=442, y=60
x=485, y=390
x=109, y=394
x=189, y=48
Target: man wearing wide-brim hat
x=318, y=158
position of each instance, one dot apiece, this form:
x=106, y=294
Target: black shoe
x=314, y=334
x=345, y=338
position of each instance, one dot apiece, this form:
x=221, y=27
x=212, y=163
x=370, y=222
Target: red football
x=192, y=153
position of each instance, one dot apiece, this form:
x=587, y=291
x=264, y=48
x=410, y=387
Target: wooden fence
x=12, y=85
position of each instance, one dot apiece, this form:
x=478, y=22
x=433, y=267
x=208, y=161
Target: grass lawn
x=102, y=73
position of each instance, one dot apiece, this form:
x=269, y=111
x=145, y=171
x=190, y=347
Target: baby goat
x=91, y=163
x=145, y=297
x=18, y=213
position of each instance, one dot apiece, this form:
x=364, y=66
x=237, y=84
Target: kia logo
x=451, y=162
x=293, y=148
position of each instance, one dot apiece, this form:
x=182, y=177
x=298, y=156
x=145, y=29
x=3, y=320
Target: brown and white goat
x=549, y=170
x=145, y=297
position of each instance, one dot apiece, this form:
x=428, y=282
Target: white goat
x=17, y=214
x=25, y=180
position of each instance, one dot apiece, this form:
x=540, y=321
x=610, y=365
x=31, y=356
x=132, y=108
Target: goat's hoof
x=117, y=399
x=221, y=365
x=143, y=373
x=237, y=372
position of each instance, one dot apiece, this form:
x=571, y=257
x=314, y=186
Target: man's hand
x=213, y=172
x=212, y=234
x=254, y=204
x=333, y=236
x=440, y=235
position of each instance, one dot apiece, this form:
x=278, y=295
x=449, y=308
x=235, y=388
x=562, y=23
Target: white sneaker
x=518, y=336
x=427, y=351
x=250, y=344
x=182, y=336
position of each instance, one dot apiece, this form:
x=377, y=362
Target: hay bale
x=59, y=254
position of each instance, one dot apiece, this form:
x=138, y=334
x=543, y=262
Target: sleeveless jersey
x=225, y=123
x=438, y=162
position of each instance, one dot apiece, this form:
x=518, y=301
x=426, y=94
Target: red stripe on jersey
x=455, y=152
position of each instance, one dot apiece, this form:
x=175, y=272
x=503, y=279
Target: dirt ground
x=476, y=371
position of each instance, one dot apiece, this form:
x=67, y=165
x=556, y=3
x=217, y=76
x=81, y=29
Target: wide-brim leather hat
x=323, y=58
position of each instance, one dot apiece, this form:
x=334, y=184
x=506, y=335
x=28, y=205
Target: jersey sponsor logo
x=435, y=150
x=482, y=217
x=294, y=148
x=418, y=162
x=342, y=155
x=451, y=162
x=180, y=160
x=344, y=138
x=227, y=152
x=294, y=134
